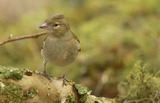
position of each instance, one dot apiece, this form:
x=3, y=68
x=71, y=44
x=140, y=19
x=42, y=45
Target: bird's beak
x=43, y=26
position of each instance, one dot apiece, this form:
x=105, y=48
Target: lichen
x=83, y=93
x=81, y=90
x=10, y=72
x=32, y=92
x=70, y=99
x=12, y=93
x=94, y=99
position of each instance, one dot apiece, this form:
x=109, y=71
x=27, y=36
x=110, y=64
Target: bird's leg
x=44, y=71
x=44, y=63
x=64, y=76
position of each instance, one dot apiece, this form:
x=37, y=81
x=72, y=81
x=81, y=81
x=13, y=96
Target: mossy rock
x=24, y=86
x=11, y=92
x=10, y=72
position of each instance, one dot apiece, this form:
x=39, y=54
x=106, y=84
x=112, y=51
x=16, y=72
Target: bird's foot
x=65, y=81
x=47, y=76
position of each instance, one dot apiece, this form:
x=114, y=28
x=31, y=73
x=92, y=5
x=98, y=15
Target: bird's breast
x=60, y=52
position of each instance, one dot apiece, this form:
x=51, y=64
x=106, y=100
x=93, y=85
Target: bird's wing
x=75, y=37
x=44, y=42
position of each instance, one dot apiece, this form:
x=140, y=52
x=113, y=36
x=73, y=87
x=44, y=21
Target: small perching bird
x=60, y=46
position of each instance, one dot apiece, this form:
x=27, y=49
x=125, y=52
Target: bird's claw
x=47, y=76
x=65, y=81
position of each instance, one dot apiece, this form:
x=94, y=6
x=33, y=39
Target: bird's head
x=56, y=24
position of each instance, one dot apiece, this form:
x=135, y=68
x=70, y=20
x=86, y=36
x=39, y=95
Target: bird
x=61, y=46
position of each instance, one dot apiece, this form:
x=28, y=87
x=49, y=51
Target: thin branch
x=135, y=101
x=9, y=39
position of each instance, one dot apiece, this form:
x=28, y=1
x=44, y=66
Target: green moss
x=70, y=99
x=12, y=92
x=10, y=72
x=83, y=98
x=83, y=92
x=32, y=92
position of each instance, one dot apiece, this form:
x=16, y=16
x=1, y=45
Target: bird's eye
x=56, y=24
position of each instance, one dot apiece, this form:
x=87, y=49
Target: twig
x=9, y=39
x=155, y=97
x=135, y=101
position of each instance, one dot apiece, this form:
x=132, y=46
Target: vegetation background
x=114, y=35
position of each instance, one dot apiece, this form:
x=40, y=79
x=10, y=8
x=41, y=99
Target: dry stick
x=9, y=39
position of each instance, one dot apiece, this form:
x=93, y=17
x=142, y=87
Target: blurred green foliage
x=141, y=86
x=114, y=35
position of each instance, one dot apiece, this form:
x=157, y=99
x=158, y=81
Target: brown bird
x=60, y=46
